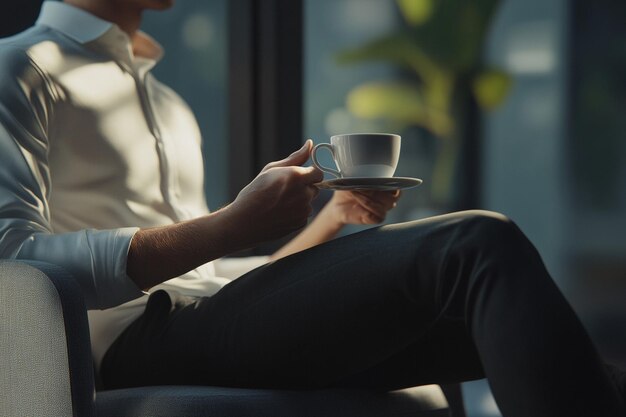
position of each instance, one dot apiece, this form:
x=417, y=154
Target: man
x=100, y=173
x=108, y=131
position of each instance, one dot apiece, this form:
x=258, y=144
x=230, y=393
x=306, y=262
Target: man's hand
x=278, y=200
x=275, y=203
x=361, y=207
x=345, y=207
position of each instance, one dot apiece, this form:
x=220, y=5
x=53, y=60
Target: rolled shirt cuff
x=96, y=258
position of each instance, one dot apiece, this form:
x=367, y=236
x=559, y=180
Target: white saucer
x=362, y=183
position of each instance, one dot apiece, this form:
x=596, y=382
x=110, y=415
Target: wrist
x=331, y=215
x=237, y=235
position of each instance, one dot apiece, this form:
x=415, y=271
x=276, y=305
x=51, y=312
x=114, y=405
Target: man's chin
x=160, y=4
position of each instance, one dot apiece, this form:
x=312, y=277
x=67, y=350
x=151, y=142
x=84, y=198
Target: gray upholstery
x=39, y=376
x=46, y=369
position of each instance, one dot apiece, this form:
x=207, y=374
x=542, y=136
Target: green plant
x=440, y=44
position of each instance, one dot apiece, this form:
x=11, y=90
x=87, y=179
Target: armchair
x=46, y=369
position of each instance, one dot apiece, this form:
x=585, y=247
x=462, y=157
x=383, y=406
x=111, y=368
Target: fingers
x=300, y=175
x=374, y=210
x=306, y=175
x=375, y=204
x=297, y=158
x=310, y=175
x=312, y=192
x=371, y=218
x=364, y=216
x=381, y=201
x=381, y=195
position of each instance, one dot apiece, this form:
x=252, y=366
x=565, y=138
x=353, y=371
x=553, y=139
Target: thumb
x=297, y=158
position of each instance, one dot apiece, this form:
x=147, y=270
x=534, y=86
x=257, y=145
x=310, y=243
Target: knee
x=493, y=242
x=489, y=229
x=486, y=218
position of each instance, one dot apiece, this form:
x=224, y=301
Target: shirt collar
x=87, y=29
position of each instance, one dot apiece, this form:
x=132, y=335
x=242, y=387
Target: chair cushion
x=195, y=401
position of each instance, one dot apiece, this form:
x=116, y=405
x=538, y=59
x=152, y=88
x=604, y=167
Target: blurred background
x=517, y=106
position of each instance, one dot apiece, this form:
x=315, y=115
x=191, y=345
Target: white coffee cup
x=367, y=155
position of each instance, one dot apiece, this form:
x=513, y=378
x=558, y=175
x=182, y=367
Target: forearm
x=359, y=207
x=323, y=228
x=162, y=253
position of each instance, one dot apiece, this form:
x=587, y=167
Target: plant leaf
x=450, y=40
x=491, y=88
x=453, y=36
x=398, y=48
x=416, y=12
x=398, y=102
x=387, y=100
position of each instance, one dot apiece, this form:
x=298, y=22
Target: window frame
x=265, y=118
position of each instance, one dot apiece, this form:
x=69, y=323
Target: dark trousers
x=445, y=299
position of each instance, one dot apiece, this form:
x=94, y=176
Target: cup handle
x=316, y=162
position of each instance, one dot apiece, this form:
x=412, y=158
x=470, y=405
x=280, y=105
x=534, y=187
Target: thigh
x=315, y=318
x=320, y=316
x=445, y=354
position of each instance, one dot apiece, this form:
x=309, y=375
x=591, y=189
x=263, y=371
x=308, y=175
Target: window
x=389, y=66
x=335, y=26
x=597, y=171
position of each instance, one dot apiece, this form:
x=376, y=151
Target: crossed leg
x=445, y=299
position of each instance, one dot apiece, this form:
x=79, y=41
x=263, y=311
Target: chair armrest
x=46, y=366
x=45, y=355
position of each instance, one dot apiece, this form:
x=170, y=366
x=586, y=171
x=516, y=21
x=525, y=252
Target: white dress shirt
x=93, y=147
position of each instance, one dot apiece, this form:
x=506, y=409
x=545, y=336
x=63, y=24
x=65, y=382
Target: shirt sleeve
x=96, y=258
x=232, y=268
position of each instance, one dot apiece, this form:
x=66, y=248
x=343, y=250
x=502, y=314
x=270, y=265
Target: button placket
x=168, y=174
